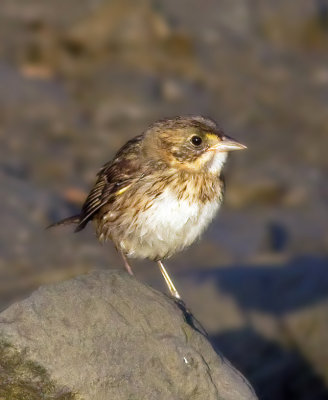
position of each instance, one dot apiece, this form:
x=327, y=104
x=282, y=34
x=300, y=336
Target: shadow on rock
x=273, y=289
x=282, y=360
x=283, y=374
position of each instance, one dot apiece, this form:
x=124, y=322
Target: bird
x=160, y=191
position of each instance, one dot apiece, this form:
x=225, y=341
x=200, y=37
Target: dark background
x=80, y=77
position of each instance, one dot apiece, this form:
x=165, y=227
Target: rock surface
x=107, y=336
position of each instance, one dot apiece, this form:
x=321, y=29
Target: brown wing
x=113, y=179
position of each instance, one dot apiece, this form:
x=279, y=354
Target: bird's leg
x=126, y=264
x=168, y=281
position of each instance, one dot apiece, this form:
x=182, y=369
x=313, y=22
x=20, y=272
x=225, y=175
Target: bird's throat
x=217, y=162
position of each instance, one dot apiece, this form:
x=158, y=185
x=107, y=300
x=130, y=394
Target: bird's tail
x=75, y=219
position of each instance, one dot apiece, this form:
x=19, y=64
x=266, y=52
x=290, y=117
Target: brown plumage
x=160, y=191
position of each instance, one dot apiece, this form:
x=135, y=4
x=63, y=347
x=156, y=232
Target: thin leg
x=168, y=281
x=126, y=264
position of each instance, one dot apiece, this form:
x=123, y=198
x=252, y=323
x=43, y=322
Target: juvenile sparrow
x=160, y=191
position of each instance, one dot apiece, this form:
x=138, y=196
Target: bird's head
x=189, y=143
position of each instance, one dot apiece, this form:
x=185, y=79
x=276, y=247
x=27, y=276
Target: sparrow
x=160, y=191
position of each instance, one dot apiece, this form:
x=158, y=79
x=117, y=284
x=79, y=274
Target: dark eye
x=196, y=140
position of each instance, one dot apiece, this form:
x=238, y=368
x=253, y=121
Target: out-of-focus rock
x=108, y=336
x=308, y=329
x=119, y=23
x=278, y=312
x=258, y=192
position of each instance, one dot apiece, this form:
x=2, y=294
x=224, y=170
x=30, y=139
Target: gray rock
x=107, y=336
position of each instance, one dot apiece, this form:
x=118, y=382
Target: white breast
x=168, y=226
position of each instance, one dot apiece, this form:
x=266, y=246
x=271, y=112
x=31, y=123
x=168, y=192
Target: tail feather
x=75, y=219
x=81, y=225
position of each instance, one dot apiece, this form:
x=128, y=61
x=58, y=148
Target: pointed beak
x=227, y=144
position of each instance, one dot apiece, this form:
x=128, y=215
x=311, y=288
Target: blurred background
x=80, y=77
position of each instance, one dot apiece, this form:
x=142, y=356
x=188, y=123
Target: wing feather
x=114, y=178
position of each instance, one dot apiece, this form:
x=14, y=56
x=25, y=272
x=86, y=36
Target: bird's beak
x=227, y=144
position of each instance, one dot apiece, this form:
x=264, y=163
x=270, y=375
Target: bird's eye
x=196, y=140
